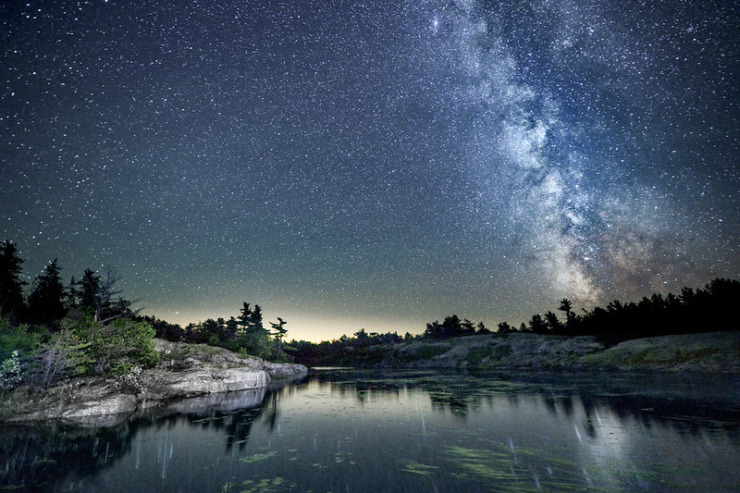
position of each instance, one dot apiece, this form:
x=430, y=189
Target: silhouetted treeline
x=707, y=309
x=42, y=310
x=363, y=348
x=50, y=300
x=452, y=326
x=712, y=308
x=245, y=332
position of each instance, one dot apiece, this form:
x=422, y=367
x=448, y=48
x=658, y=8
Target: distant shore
x=717, y=352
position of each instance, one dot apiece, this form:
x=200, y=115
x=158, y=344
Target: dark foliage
x=707, y=309
x=451, y=327
x=165, y=330
x=11, y=286
x=245, y=333
x=364, y=349
x=46, y=304
x=700, y=310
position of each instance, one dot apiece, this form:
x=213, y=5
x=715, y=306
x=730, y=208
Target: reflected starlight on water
x=407, y=431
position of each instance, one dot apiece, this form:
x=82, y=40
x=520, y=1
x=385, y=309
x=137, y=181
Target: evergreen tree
x=537, y=325
x=466, y=327
x=85, y=292
x=279, y=330
x=256, y=320
x=232, y=327
x=452, y=326
x=505, y=328
x=11, y=286
x=46, y=303
x=209, y=332
x=567, y=307
x=253, y=336
x=434, y=330
x=554, y=325
x=96, y=295
x=244, y=318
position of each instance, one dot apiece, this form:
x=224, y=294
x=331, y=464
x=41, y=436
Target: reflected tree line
x=657, y=400
x=58, y=457
x=54, y=457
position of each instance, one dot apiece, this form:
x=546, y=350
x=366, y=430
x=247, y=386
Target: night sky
x=373, y=164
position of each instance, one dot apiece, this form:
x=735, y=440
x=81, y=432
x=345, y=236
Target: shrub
x=477, y=354
x=11, y=372
x=86, y=347
x=122, y=343
x=22, y=339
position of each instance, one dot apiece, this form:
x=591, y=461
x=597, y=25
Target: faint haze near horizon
x=373, y=165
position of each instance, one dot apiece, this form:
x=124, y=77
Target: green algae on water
x=419, y=468
x=257, y=457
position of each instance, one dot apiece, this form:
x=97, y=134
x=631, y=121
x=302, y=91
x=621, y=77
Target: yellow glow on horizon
x=301, y=325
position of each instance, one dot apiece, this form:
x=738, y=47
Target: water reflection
x=42, y=456
x=416, y=431
x=689, y=403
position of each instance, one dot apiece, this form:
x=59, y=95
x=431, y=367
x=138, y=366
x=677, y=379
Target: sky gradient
x=375, y=164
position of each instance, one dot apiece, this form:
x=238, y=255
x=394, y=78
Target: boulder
x=105, y=403
x=284, y=370
x=164, y=385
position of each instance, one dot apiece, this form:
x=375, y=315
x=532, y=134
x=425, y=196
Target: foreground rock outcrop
x=188, y=377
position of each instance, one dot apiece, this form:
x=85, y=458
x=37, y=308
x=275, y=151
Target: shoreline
x=193, y=376
x=706, y=352
x=210, y=375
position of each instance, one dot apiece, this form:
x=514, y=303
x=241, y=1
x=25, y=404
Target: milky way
x=376, y=165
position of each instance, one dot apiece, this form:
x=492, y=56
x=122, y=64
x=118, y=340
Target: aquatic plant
x=11, y=372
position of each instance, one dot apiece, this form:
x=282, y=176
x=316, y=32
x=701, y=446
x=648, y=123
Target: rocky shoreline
x=187, y=377
x=195, y=377
x=709, y=352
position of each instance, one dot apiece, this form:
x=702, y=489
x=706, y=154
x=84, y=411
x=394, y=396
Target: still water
x=348, y=431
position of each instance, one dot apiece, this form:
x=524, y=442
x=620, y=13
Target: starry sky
x=373, y=164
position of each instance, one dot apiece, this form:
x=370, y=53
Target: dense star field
x=374, y=164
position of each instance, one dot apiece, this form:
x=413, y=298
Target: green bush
x=63, y=356
x=11, y=372
x=424, y=350
x=477, y=354
x=22, y=339
x=123, y=343
x=86, y=347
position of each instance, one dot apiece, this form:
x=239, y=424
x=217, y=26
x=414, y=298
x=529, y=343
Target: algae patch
x=251, y=459
x=419, y=468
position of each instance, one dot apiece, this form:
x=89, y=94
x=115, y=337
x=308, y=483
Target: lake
x=342, y=430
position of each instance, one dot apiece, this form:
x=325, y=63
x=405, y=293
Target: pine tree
x=46, y=303
x=97, y=296
x=11, y=286
x=86, y=291
x=537, y=325
x=244, y=317
x=253, y=336
x=554, y=325
x=279, y=330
